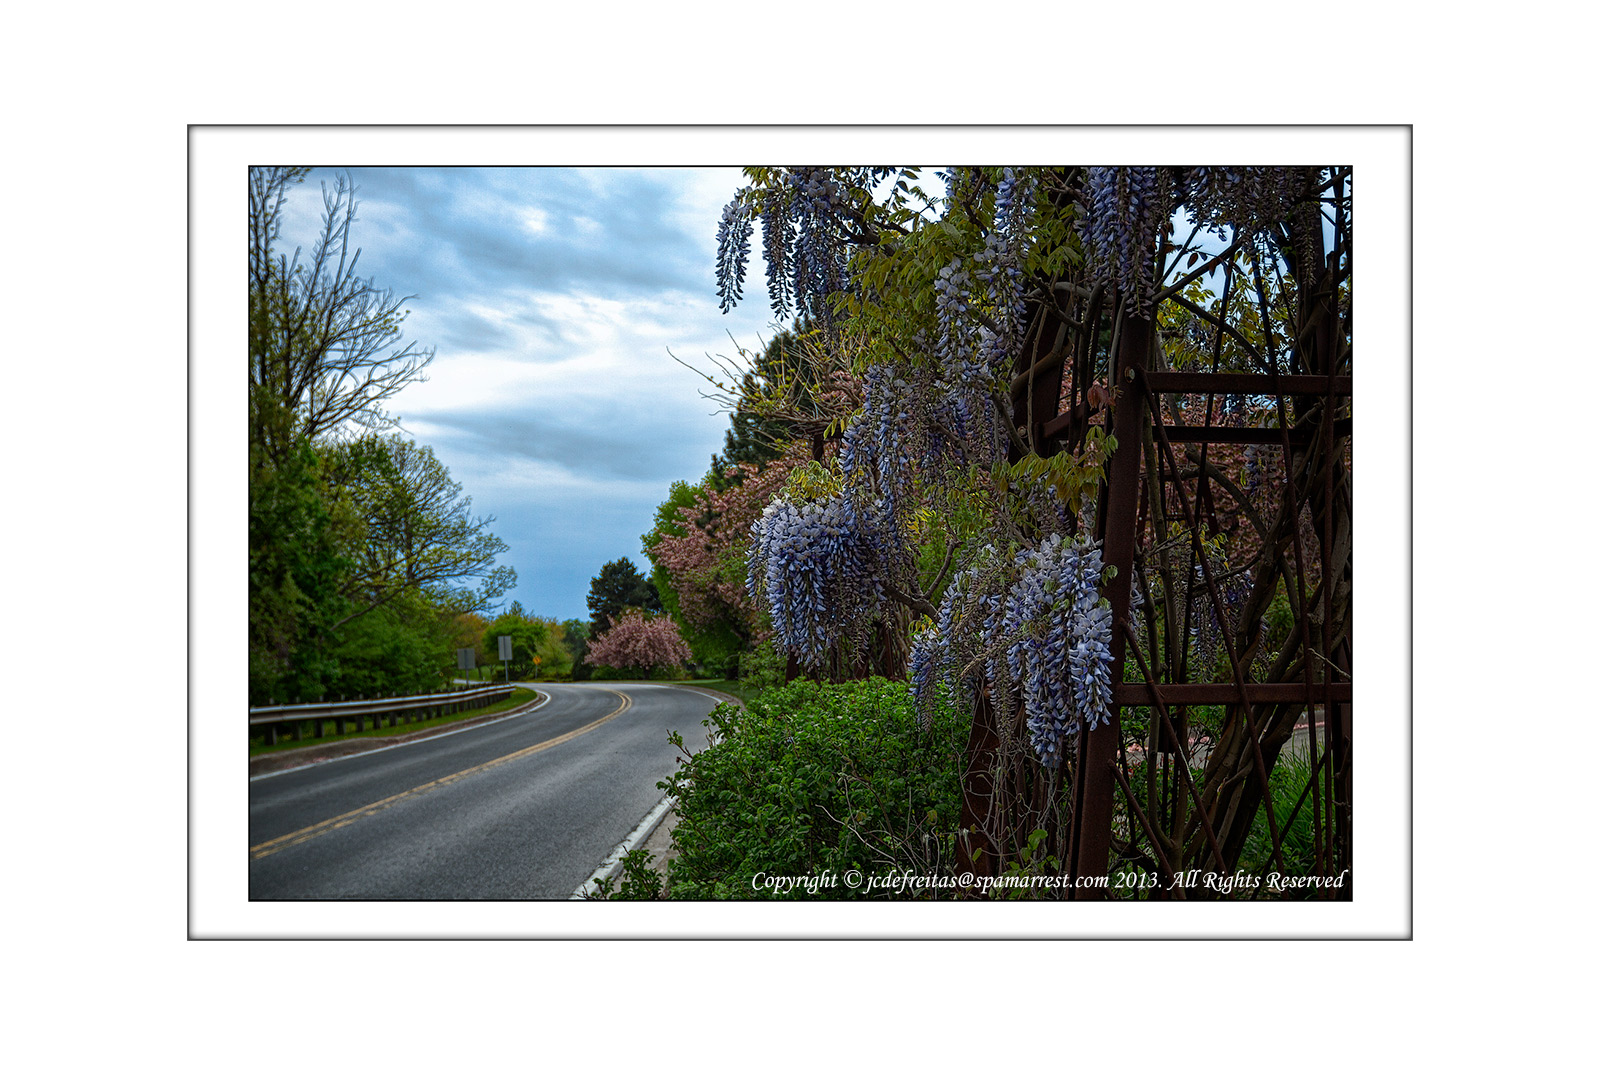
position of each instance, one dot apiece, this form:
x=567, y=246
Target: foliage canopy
x=365, y=557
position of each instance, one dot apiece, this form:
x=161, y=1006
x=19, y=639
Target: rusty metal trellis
x=1257, y=710
x=1139, y=414
x=1159, y=512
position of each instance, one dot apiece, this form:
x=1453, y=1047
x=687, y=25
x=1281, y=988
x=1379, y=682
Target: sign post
x=466, y=660
x=505, y=656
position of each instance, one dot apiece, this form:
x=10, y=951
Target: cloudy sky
x=552, y=297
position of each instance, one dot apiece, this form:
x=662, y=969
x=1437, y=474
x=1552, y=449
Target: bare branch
x=324, y=342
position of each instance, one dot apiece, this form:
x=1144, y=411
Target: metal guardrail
x=389, y=711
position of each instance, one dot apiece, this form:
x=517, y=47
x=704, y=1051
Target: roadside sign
x=505, y=649
x=465, y=659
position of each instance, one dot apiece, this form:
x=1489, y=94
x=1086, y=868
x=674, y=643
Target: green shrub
x=637, y=880
x=636, y=673
x=762, y=667
x=815, y=779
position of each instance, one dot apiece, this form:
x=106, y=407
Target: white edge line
x=613, y=862
x=544, y=697
x=641, y=832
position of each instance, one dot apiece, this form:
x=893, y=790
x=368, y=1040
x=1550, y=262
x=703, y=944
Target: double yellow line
x=339, y=821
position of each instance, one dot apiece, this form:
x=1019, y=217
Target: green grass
x=258, y=746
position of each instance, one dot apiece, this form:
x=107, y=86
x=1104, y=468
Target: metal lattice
x=1236, y=646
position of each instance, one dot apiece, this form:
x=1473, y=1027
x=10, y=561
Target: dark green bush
x=814, y=779
x=636, y=673
x=762, y=667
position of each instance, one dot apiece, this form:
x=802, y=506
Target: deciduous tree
x=363, y=551
x=297, y=568
x=415, y=529
x=541, y=639
x=637, y=641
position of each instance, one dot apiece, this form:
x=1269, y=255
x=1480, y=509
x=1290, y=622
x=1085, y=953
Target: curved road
x=524, y=808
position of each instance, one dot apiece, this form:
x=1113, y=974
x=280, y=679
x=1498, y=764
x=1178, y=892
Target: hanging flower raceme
x=733, y=252
x=1241, y=200
x=816, y=565
x=879, y=449
x=980, y=314
x=805, y=228
x=1126, y=210
x=1061, y=634
x=928, y=653
x=1045, y=635
x=941, y=653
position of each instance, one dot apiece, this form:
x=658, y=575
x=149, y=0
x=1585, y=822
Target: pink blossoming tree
x=706, y=561
x=637, y=641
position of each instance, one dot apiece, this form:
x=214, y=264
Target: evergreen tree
x=755, y=437
x=618, y=586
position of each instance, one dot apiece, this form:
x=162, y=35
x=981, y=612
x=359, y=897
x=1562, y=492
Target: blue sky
x=552, y=297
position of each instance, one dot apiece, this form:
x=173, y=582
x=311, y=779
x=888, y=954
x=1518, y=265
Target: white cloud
x=552, y=298
x=534, y=220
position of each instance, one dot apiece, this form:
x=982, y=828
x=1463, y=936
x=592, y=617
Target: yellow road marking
x=338, y=821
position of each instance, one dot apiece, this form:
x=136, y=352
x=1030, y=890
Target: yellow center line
x=338, y=821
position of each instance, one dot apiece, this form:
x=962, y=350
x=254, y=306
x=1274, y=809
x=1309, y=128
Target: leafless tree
x=325, y=344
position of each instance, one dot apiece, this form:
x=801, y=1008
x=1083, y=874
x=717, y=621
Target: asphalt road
x=524, y=808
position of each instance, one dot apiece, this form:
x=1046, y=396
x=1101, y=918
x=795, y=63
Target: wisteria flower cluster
x=733, y=253
x=941, y=653
x=1242, y=200
x=881, y=447
x=803, y=236
x=974, y=347
x=1126, y=208
x=817, y=565
x=807, y=217
x=1043, y=632
x=1013, y=220
x=977, y=329
x=818, y=260
x=913, y=428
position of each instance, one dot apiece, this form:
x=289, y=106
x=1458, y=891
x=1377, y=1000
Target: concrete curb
x=613, y=862
x=652, y=821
